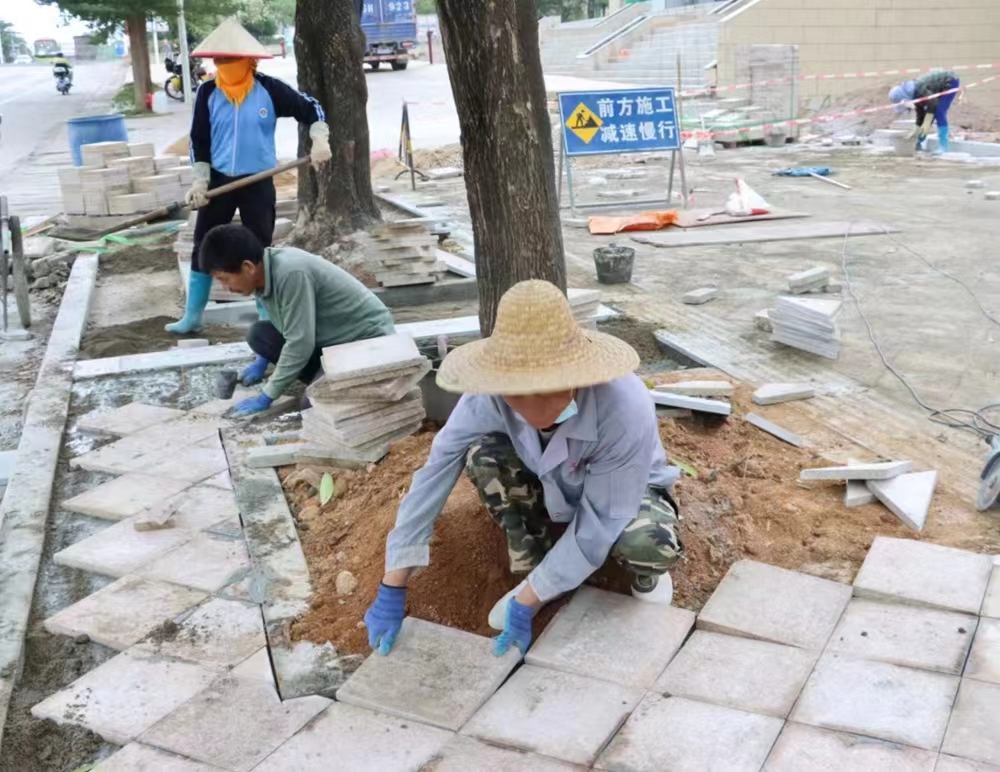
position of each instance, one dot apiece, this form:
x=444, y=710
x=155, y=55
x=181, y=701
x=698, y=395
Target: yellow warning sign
x=583, y=122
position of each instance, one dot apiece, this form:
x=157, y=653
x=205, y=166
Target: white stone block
x=907, y=496
x=774, y=430
x=775, y=393
x=984, y=659
x=136, y=757
x=881, y=471
x=192, y=342
x=699, y=296
x=714, y=406
x=856, y=494
x=762, y=321
x=128, y=419
x=698, y=388
x=955, y=764
x=369, y=357
x=808, y=749
x=808, y=278
x=974, y=730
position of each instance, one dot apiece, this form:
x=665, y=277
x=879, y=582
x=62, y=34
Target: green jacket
x=314, y=304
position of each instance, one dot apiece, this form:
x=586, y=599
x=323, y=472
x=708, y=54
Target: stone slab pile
x=403, y=253
x=806, y=324
x=367, y=397
x=813, y=280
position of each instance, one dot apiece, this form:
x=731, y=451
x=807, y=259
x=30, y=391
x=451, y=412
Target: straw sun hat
x=230, y=39
x=537, y=347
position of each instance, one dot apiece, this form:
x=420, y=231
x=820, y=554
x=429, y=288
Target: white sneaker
x=661, y=591
x=498, y=614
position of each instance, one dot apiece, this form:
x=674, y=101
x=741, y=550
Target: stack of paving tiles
x=806, y=324
x=367, y=398
x=585, y=305
x=404, y=253
x=811, y=281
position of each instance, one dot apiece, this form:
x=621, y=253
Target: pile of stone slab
x=404, y=253
x=812, y=281
x=807, y=324
x=122, y=178
x=585, y=305
x=686, y=397
x=367, y=398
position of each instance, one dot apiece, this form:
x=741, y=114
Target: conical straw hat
x=537, y=347
x=230, y=39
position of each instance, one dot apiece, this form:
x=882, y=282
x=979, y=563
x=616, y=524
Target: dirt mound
x=138, y=259
x=146, y=336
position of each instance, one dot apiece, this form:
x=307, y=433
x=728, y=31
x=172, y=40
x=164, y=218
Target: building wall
x=837, y=36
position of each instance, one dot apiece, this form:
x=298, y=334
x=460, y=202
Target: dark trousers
x=257, y=211
x=265, y=340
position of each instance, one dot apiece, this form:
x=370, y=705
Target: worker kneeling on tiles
x=553, y=427
x=310, y=303
x=232, y=137
x=929, y=111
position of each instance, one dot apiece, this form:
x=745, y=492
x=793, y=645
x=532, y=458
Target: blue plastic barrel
x=94, y=128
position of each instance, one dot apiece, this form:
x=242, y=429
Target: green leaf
x=325, y=489
x=689, y=470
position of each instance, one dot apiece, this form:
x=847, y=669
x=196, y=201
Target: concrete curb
x=25, y=508
x=162, y=360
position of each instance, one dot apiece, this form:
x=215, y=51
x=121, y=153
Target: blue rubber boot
x=943, y=144
x=199, y=288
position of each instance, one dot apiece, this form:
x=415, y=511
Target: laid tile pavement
x=803, y=748
x=463, y=754
x=124, y=496
x=136, y=757
x=128, y=419
x=205, y=562
x=984, y=659
x=974, y=730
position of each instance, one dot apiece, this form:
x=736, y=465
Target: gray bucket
x=614, y=264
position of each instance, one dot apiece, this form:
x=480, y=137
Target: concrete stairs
x=653, y=59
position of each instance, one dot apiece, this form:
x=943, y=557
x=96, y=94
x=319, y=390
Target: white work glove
x=320, y=153
x=196, y=196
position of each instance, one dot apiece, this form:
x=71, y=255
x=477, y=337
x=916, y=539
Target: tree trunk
x=329, y=48
x=139, y=51
x=496, y=77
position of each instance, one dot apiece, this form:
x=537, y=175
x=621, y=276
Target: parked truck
x=390, y=28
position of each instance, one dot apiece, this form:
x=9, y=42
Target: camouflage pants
x=649, y=545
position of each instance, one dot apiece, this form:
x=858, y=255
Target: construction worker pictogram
x=583, y=122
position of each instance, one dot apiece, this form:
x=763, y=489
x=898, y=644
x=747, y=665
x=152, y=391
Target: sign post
x=617, y=122
x=405, y=154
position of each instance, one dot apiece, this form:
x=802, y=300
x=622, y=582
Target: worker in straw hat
x=232, y=136
x=553, y=427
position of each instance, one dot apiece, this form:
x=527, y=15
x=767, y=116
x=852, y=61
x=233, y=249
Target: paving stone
x=556, y=714
x=136, y=757
x=881, y=471
x=348, y=738
x=124, y=612
x=955, y=764
x=907, y=571
x=687, y=736
x=808, y=749
x=773, y=429
x=124, y=496
x=8, y=458
x=856, y=494
x=205, y=562
x=991, y=603
x=588, y=635
x=192, y=342
x=221, y=480
x=128, y=419
x=928, y=639
x=974, y=730
x=369, y=357
x=877, y=699
x=144, y=450
x=756, y=600
x=194, y=464
x=740, y=673
x=697, y=404
x=776, y=393
x=808, y=277
x=233, y=724
x=762, y=321
x=436, y=674
x=908, y=496
x=120, y=549
x=984, y=659
x=463, y=754
x=123, y=697
x=220, y=633
x=699, y=296
x=698, y=388
x=256, y=666
x=204, y=507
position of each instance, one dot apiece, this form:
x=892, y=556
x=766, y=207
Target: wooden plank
x=689, y=218
x=746, y=234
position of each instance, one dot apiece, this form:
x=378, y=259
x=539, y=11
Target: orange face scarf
x=235, y=78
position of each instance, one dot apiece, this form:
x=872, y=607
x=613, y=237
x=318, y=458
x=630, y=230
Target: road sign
x=619, y=121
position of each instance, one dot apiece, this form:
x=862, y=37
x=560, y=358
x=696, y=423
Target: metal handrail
x=621, y=32
x=619, y=12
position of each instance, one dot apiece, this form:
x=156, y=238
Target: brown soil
x=180, y=147
x=138, y=259
x=146, y=336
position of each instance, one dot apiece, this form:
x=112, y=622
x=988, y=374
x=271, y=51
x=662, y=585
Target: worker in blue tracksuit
x=929, y=111
x=232, y=136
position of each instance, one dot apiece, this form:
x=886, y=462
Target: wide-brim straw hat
x=230, y=39
x=537, y=347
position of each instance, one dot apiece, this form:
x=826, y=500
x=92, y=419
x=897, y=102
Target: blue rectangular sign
x=626, y=121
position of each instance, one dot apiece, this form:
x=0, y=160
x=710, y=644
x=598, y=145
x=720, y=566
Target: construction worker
x=232, y=136
x=554, y=427
x=928, y=111
x=309, y=302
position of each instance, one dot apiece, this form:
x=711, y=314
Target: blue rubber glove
x=254, y=373
x=385, y=617
x=516, y=629
x=255, y=404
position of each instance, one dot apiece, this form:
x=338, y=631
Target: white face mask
x=570, y=411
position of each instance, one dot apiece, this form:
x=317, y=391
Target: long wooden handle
x=245, y=181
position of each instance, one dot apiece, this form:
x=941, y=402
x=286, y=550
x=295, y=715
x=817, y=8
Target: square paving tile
x=204, y=460
x=991, y=603
x=347, y=738
x=136, y=757
x=929, y=639
x=203, y=507
x=556, y=714
x=436, y=674
x=124, y=496
x=742, y=673
x=234, y=724
x=974, y=731
x=589, y=634
x=256, y=666
x=120, y=549
x=877, y=699
x=126, y=695
x=761, y=601
x=984, y=659
x=124, y=612
x=463, y=754
x=219, y=633
x=128, y=419
x=687, y=736
x=808, y=749
x=204, y=562
x=907, y=571
x=955, y=764
x=143, y=450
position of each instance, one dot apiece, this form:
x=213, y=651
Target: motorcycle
x=174, y=85
x=63, y=74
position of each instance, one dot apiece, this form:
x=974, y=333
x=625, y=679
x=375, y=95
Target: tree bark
x=135, y=24
x=496, y=77
x=329, y=48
